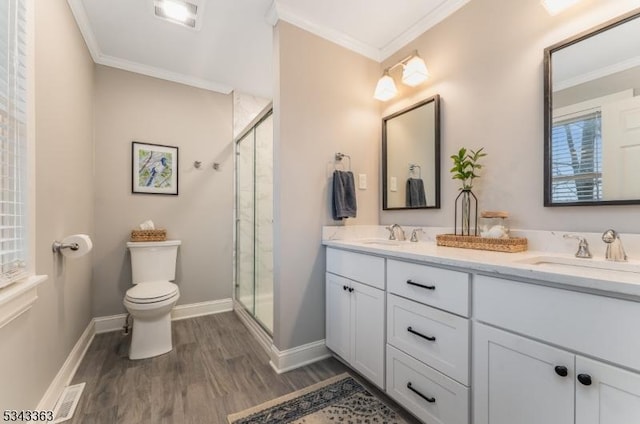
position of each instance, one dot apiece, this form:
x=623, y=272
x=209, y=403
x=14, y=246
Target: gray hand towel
x=344, y=195
x=415, y=197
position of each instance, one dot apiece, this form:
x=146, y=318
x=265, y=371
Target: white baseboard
x=286, y=360
x=109, y=323
x=290, y=359
x=114, y=323
x=68, y=370
x=192, y=310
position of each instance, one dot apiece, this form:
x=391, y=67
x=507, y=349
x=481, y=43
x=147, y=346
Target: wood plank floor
x=215, y=368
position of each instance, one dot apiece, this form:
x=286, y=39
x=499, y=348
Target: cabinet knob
x=562, y=371
x=345, y=288
x=351, y=289
x=585, y=379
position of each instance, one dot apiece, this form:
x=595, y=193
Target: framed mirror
x=411, y=157
x=592, y=116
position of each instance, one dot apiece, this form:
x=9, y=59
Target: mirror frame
x=436, y=101
x=548, y=107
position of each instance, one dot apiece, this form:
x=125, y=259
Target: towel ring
x=340, y=156
x=412, y=168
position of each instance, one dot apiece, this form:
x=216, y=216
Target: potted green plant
x=465, y=165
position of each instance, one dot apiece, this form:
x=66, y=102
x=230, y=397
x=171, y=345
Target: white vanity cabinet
x=518, y=379
x=355, y=310
x=427, y=346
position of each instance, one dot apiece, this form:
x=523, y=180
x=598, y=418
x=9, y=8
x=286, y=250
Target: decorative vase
x=466, y=201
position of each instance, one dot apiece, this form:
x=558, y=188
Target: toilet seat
x=151, y=292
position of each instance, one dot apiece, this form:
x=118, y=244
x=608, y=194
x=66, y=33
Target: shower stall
x=254, y=219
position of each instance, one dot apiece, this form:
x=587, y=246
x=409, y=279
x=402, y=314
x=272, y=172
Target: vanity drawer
x=411, y=327
x=449, y=400
x=442, y=288
x=599, y=326
x=366, y=269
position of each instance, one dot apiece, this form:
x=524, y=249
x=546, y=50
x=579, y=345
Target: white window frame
x=17, y=298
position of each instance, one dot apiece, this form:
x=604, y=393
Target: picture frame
x=154, y=168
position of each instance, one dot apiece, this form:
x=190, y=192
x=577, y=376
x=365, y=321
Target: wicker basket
x=149, y=235
x=510, y=245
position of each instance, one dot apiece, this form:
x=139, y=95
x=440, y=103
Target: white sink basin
x=560, y=262
x=382, y=242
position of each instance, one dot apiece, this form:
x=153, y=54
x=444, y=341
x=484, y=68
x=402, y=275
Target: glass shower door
x=245, y=222
x=264, y=223
x=254, y=221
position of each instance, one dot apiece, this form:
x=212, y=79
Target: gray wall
x=134, y=107
x=486, y=63
x=323, y=104
x=35, y=345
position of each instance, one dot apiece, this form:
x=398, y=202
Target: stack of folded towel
x=344, y=195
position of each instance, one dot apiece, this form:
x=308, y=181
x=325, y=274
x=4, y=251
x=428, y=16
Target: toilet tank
x=153, y=261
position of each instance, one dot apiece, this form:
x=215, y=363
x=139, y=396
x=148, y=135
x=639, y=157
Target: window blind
x=13, y=141
x=576, y=158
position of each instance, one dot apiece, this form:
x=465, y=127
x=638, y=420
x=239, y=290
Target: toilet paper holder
x=57, y=246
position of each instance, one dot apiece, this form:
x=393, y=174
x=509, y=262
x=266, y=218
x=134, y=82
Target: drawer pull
x=562, y=371
x=412, y=331
x=585, y=379
x=412, y=283
x=428, y=399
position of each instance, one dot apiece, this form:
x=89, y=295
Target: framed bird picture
x=154, y=168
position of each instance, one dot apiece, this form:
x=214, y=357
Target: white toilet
x=153, y=295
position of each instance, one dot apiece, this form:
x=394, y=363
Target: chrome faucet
x=615, y=251
x=396, y=235
x=583, y=246
x=414, y=234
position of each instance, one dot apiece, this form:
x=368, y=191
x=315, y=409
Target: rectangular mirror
x=411, y=157
x=592, y=116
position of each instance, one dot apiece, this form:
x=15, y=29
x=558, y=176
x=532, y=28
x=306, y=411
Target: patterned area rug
x=340, y=399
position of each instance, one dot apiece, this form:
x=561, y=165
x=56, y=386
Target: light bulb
x=556, y=6
x=175, y=10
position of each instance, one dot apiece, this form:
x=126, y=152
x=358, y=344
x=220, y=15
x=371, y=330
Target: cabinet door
x=367, y=342
x=613, y=397
x=338, y=333
x=515, y=380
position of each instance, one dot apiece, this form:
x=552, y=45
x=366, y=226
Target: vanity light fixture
x=556, y=6
x=179, y=11
x=414, y=72
x=386, y=88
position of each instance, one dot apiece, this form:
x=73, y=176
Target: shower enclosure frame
x=266, y=113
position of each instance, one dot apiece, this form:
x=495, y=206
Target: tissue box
x=149, y=235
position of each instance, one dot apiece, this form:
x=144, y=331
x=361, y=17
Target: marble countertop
x=519, y=265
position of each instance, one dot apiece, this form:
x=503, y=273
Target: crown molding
x=80, y=14
x=151, y=71
x=597, y=73
x=446, y=9
x=82, y=19
x=278, y=12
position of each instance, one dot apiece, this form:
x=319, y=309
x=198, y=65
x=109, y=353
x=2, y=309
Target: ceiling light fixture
x=178, y=11
x=414, y=72
x=556, y=6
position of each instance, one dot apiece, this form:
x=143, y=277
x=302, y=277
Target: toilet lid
x=152, y=291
